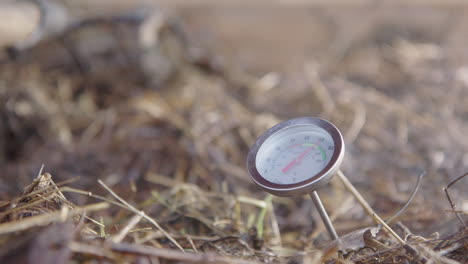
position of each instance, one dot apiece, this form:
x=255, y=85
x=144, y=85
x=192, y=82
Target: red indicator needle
x=296, y=160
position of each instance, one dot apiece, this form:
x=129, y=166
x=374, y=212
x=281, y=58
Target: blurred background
x=148, y=95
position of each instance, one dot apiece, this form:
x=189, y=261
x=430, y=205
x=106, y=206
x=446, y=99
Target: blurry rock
x=162, y=47
x=28, y=22
x=20, y=20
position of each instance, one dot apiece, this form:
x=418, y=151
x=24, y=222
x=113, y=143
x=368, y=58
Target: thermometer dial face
x=296, y=156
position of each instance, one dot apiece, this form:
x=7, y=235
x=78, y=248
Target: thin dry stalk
x=367, y=207
x=358, y=123
x=410, y=199
x=90, y=250
x=142, y=213
x=192, y=244
x=452, y=204
x=175, y=255
x=274, y=225
x=131, y=223
x=320, y=90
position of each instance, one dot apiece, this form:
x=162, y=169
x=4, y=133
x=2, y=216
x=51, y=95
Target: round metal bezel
x=310, y=184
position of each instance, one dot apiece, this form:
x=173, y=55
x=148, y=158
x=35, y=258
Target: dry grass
x=155, y=136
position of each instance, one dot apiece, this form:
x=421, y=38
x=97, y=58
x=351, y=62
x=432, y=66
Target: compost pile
x=143, y=134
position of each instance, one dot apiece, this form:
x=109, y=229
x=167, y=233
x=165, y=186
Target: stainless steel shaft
x=326, y=220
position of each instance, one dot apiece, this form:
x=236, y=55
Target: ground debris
x=40, y=197
x=155, y=131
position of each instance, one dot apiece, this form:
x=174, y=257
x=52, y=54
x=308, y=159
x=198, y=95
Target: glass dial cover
x=296, y=156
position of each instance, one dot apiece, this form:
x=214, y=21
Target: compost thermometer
x=297, y=157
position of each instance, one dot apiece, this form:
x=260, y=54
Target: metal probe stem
x=326, y=220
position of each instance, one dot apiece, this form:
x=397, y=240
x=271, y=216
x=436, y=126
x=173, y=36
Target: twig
x=457, y=211
x=274, y=225
x=94, y=221
x=410, y=199
x=40, y=171
x=357, y=124
x=175, y=255
x=45, y=219
x=367, y=207
x=159, y=179
x=90, y=250
x=319, y=88
x=132, y=223
x=102, y=227
x=142, y=213
x=90, y=194
x=192, y=244
x=452, y=204
x=252, y=201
